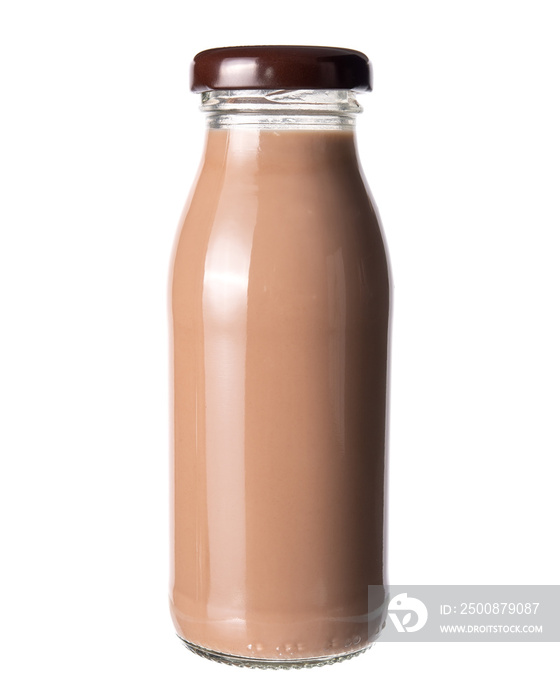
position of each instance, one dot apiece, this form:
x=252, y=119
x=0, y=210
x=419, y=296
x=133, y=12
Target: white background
x=99, y=143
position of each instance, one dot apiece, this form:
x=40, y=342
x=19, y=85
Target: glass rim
x=308, y=101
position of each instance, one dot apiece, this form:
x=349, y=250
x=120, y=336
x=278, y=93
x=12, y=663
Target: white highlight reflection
x=226, y=279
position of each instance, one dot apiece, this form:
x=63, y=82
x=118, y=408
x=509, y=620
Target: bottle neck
x=246, y=153
x=287, y=110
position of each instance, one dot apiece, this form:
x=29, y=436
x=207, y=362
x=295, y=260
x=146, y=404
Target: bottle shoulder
x=289, y=222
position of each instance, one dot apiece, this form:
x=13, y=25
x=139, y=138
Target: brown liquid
x=280, y=303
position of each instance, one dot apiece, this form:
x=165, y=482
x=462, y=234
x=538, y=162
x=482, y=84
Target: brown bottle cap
x=280, y=68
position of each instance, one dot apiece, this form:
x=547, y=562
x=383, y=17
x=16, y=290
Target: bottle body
x=280, y=322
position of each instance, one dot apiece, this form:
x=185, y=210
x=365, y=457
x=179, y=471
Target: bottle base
x=249, y=662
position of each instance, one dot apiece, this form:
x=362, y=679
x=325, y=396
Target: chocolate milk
x=280, y=311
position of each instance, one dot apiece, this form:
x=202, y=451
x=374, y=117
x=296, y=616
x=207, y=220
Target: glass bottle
x=280, y=295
